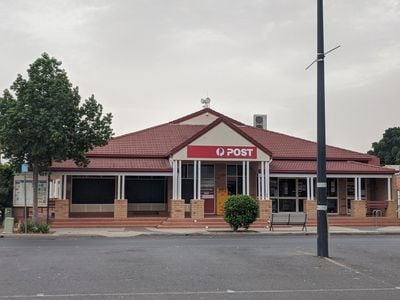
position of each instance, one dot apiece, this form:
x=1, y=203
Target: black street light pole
x=322, y=222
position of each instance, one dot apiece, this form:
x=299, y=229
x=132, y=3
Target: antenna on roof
x=205, y=102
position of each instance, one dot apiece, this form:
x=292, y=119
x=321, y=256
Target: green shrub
x=34, y=228
x=240, y=211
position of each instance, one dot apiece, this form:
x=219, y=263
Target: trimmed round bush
x=240, y=211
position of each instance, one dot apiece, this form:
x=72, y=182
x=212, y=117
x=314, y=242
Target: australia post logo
x=230, y=152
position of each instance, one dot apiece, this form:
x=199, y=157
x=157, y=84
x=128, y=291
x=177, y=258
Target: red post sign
x=230, y=152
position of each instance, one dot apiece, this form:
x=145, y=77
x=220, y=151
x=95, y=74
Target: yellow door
x=222, y=196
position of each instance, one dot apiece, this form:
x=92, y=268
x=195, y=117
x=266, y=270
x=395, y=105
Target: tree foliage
x=388, y=148
x=6, y=186
x=43, y=120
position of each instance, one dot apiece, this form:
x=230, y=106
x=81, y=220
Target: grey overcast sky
x=151, y=61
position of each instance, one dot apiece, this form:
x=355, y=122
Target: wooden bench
x=375, y=205
x=295, y=218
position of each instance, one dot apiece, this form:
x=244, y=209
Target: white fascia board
x=280, y=175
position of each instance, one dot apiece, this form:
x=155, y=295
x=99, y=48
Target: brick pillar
x=310, y=207
x=177, y=209
x=391, y=210
x=358, y=209
x=120, y=208
x=197, y=209
x=264, y=209
x=61, y=209
x=396, y=179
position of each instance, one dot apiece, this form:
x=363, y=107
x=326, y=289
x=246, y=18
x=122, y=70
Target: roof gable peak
x=205, y=116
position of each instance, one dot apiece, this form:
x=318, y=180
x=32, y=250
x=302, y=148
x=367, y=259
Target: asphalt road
x=203, y=267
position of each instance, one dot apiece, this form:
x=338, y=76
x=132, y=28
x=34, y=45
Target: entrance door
x=207, y=192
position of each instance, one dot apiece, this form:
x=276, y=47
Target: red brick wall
x=120, y=208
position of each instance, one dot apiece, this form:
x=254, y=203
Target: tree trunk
x=35, y=182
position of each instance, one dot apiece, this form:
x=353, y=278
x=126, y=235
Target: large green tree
x=388, y=148
x=6, y=185
x=43, y=120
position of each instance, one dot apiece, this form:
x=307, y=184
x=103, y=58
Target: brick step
x=107, y=222
x=112, y=219
x=103, y=221
x=166, y=226
x=103, y=226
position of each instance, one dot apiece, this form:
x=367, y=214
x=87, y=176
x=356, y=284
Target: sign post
x=24, y=169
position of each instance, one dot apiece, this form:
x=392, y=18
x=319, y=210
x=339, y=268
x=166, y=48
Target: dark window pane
x=240, y=186
x=149, y=190
x=302, y=187
x=350, y=187
x=287, y=205
x=240, y=170
x=231, y=170
x=332, y=206
x=190, y=172
x=231, y=185
x=275, y=206
x=93, y=190
x=331, y=187
x=301, y=204
x=207, y=171
x=273, y=187
x=287, y=187
x=187, y=190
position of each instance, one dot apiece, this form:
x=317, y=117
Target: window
x=93, y=190
x=234, y=179
x=288, y=194
x=187, y=182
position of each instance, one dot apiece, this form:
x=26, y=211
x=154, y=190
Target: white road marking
x=203, y=293
x=342, y=265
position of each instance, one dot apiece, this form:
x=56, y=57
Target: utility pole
x=322, y=222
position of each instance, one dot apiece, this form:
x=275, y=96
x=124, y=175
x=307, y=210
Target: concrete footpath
x=148, y=231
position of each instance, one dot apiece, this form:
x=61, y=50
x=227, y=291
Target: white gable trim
x=221, y=135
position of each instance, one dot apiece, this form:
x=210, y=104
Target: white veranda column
x=179, y=179
x=199, y=179
x=244, y=178
x=312, y=188
x=308, y=188
x=123, y=187
x=174, y=180
x=262, y=180
x=118, y=187
x=247, y=178
x=356, y=188
x=64, y=186
x=389, y=188
x=267, y=187
x=195, y=179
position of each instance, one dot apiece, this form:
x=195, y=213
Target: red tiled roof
x=153, y=142
x=332, y=167
x=117, y=164
x=284, y=146
x=149, y=149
